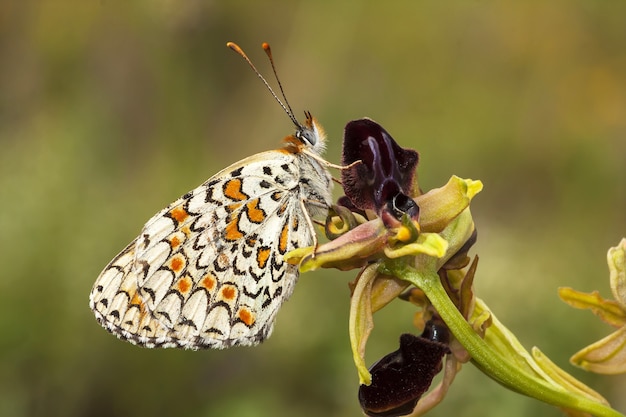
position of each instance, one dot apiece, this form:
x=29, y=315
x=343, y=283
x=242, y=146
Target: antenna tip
x=234, y=47
x=268, y=51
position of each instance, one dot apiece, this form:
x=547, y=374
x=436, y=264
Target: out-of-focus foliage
x=109, y=110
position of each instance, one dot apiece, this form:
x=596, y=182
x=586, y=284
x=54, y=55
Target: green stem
x=485, y=357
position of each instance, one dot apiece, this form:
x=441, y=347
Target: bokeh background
x=109, y=110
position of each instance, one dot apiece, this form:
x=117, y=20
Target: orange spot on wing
x=208, y=282
x=232, y=190
x=228, y=292
x=255, y=214
x=246, y=317
x=262, y=255
x=283, y=239
x=174, y=242
x=177, y=263
x=179, y=214
x=184, y=284
x=136, y=300
x=232, y=231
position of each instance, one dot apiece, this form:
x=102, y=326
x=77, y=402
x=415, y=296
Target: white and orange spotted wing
x=208, y=270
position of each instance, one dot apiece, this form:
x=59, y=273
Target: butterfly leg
x=309, y=220
x=330, y=164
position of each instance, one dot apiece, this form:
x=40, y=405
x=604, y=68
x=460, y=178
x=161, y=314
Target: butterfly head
x=310, y=135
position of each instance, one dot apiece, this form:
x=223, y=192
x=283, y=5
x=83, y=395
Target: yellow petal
x=361, y=320
x=606, y=356
x=617, y=267
x=430, y=244
x=440, y=206
x=608, y=310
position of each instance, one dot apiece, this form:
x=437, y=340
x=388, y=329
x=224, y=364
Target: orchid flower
x=413, y=246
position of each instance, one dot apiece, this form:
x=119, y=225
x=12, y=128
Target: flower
x=400, y=378
x=414, y=246
x=606, y=356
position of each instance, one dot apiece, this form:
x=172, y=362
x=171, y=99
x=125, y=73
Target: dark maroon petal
x=387, y=169
x=401, y=378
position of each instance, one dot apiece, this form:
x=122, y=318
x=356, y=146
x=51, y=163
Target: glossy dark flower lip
x=386, y=172
x=400, y=378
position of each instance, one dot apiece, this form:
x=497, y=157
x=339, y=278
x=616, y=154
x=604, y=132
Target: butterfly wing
x=208, y=270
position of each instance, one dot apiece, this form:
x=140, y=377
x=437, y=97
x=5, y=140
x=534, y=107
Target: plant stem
x=486, y=357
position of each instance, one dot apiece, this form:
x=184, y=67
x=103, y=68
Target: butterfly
x=208, y=271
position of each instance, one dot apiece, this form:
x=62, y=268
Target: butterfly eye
x=307, y=136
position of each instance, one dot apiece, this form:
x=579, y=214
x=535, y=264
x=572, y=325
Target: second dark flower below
x=401, y=378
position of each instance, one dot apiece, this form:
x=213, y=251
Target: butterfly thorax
x=309, y=142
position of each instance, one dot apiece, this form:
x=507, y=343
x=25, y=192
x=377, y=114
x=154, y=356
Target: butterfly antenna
x=268, y=51
x=266, y=47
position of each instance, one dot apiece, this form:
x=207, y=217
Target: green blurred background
x=111, y=110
